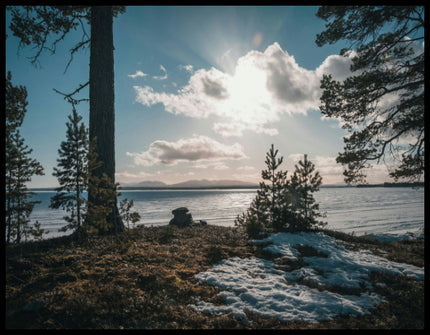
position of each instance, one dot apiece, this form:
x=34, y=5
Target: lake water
x=387, y=212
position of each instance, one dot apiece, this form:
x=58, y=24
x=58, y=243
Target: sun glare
x=248, y=92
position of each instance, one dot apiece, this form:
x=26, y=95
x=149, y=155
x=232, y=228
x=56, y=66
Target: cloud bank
x=264, y=86
x=197, y=148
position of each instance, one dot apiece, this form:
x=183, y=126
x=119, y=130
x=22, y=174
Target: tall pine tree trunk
x=102, y=110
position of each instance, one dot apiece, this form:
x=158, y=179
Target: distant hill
x=414, y=184
x=203, y=183
x=150, y=183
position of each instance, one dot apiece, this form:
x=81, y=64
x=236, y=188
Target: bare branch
x=75, y=49
x=69, y=97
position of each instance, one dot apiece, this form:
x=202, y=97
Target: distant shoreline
x=168, y=188
x=130, y=188
x=416, y=184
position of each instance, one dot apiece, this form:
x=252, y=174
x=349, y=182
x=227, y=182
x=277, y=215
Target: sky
x=201, y=92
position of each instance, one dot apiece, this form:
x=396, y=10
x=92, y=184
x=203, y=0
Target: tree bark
x=102, y=99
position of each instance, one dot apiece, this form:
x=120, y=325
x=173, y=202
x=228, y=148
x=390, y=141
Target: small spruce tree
x=97, y=212
x=19, y=203
x=256, y=217
x=36, y=231
x=19, y=167
x=283, y=204
x=127, y=216
x=72, y=172
x=268, y=210
x=304, y=182
x=272, y=191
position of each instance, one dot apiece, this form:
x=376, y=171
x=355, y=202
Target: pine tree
x=304, y=182
x=36, y=231
x=16, y=103
x=19, y=166
x=127, y=216
x=21, y=170
x=72, y=172
x=269, y=210
x=102, y=106
x=274, y=189
x=38, y=26
x=97, y=218
x=256, y=217
x=382, y=103
x=97, y=214
x=283, y=204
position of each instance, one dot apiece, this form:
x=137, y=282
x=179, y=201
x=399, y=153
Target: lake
x=392, y=212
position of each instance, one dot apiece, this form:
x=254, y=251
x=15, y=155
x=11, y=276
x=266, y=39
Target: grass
x=144, y=278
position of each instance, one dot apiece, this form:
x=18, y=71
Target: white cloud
x=295, y=158
x=237, y=128
x=246, y=168
x=263, y=87
x=217, y=165
x=292, y=85
x=188, y=68
x=336, y=65
x=137, y=74
x=197, y=148
x=205, y=91
x=330, y=171
x=162, y=68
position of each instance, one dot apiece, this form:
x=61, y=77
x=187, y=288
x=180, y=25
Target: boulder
x=181, y=217
x=180, y=210
x=184, y=219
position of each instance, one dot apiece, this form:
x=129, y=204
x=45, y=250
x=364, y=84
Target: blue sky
x=200, y=93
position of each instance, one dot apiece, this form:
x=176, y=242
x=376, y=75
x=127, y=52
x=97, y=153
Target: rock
x=181, y=217
x=184, y=219
x=180, y=210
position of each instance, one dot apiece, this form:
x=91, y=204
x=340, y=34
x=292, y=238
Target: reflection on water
x=358, y=210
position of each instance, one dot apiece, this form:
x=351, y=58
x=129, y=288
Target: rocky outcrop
x=182, y=218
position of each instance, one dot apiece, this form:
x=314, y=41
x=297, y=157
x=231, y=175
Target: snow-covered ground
x=261, y=287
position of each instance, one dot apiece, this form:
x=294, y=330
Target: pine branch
x=69, y=97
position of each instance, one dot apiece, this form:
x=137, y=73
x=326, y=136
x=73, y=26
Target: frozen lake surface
x=385, y=212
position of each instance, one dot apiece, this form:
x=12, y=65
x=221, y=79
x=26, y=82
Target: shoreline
x=381, y=237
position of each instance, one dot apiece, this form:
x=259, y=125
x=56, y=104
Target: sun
x=249, y=97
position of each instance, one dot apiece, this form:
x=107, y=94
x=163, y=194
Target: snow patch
x=260, y=287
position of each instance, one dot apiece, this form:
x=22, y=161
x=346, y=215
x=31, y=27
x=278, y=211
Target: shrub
x=283, y=204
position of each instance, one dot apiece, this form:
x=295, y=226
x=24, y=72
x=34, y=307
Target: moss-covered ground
x=145, y=278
